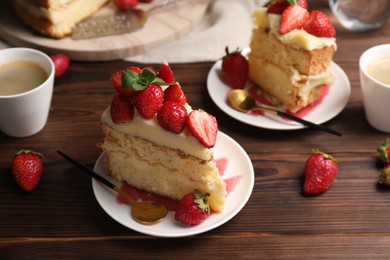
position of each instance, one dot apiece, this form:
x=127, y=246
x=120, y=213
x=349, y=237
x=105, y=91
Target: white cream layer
x=149, y=129
x=297, y=38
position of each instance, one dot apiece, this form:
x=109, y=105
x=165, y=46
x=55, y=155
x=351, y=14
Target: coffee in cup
x=26, y=88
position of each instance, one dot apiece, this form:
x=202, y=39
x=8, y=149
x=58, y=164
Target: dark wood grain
x=61, y=219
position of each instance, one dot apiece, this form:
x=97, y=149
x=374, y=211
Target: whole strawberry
x=235, y=69
x=384, y=151
x=320, y=172
x=149, y=100
x=318, y=24
x=61, y=64
x=165, y=73
x=193, y=208
x=121, y=109
x=172, y=116
x=26, y=169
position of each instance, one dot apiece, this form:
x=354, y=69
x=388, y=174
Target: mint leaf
x=128, y=78
x=148, y=74
x=139, y=81
x=159, y=82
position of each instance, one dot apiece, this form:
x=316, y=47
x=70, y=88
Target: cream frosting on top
x=149, y=129
x=297, y=38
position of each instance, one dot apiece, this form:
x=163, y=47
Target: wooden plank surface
x=62, y=219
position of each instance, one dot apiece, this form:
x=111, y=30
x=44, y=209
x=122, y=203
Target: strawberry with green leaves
x=384, y=151
x=27, y=169
x=235, y=69
x=320, y=172
x=193, y=208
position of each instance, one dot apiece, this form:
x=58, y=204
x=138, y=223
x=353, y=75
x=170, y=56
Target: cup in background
x=360, y=15
x=25, y=114
x=376, y=93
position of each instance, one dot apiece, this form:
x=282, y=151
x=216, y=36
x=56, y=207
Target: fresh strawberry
x=193, y=208
x=61, y=64
x=293, y=17
x=384, y=151
x=165, y=73
x=175, y=93
x=149, y=100
x=319, y=25
x=320, y=172
x=126, y=4
x=121, y=109
x=116, y=80
x=172, y=116
x=278, y=6
x=235, y=68
x=384, y=178
x=303, y=3
x=203, y=127
x=27, y=169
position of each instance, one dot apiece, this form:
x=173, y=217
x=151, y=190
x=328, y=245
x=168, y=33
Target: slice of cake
x=290, y=53
x=156, y=142
x=55, y=18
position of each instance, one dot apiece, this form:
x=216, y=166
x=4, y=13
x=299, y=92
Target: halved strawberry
x=293, y=17
x=175, y=93
x=319, y=25
x=203, y=127
x=172, y=116
x=121, y=109
x=165, y=73
x=149, y=100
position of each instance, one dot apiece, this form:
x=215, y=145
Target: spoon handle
x=300, y=120
x=97, y=177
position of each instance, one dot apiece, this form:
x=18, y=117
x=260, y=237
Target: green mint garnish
x=139, y=81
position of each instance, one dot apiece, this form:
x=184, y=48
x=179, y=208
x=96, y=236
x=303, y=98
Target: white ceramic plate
x=239, y=163
x=333, y=103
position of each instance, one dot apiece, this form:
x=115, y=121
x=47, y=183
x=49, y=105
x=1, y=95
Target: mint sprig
x=139, y=81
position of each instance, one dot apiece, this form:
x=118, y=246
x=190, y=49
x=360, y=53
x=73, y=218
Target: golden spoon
x=241, y=100
x=144, y=212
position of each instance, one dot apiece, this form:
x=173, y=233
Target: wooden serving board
x=163, y=26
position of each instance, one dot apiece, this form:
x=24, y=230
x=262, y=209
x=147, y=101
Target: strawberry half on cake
x=291, y=50
x=154, y=140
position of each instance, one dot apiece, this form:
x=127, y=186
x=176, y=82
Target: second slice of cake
x=290, y=67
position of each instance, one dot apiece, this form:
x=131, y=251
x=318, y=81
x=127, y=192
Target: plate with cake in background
x=236, y=170
x=289, y=67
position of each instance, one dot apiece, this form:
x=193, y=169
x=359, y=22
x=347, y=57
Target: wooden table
x=62, y=219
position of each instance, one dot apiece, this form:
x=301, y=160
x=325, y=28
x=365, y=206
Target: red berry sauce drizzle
x=171, y=204
x=256, y=93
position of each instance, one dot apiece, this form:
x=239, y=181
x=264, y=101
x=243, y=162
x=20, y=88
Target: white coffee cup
x=376, y=93
x=26, y=113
